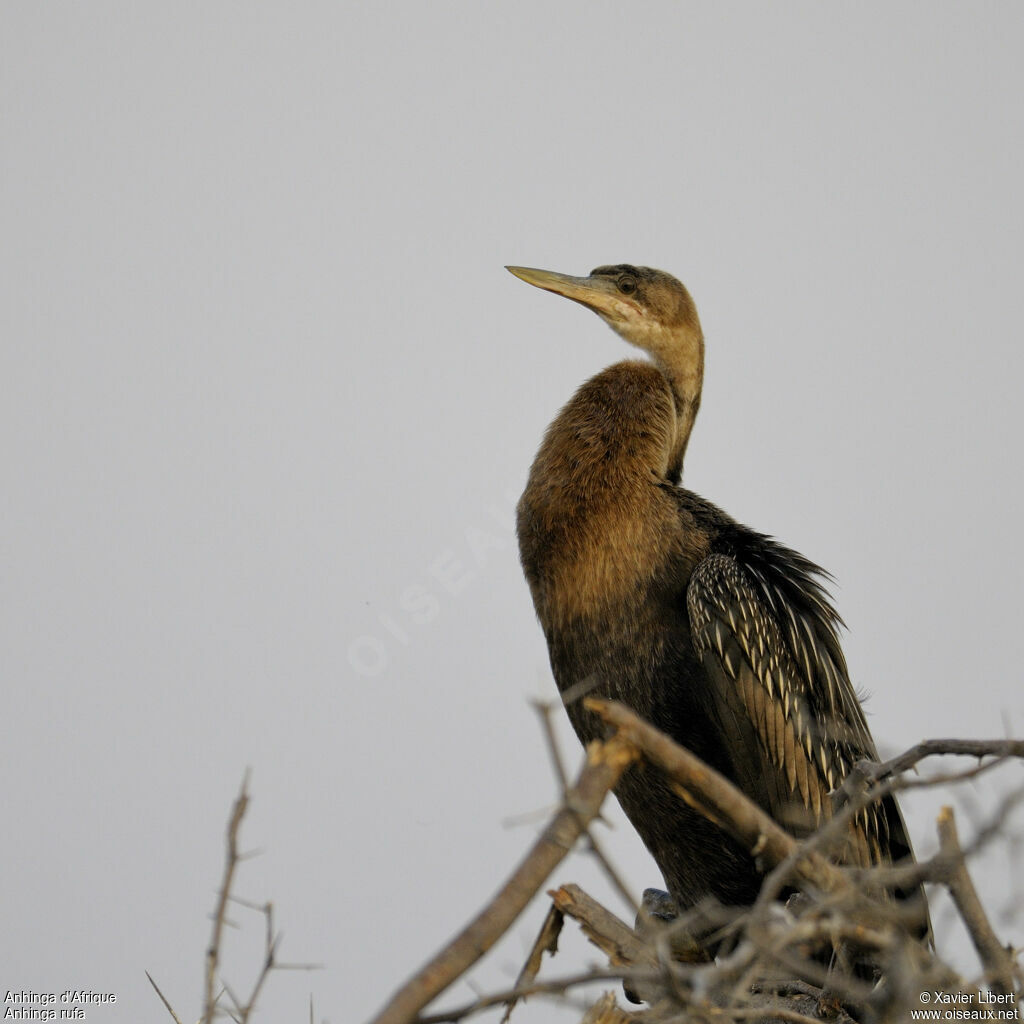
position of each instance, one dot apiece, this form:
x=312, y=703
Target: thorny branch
x=769, y=968
x=242, y=1009
x=995, y=958
x=544, y=711
x=220, y=913
x=605, y=763
x=870, y=772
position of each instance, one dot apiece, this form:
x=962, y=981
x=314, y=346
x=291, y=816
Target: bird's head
x=647, y=307
x=653, y=311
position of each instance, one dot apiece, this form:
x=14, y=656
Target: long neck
x=682, y=363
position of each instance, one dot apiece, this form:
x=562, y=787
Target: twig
x=546, y=942
x=767, y=938
x=163, y=999
x=605, y=764
x=230, y=864
x=958, y=748
x=994, y=958
x=870, y=772
x=544, y=710
x=716, y=797
x=597, y=851
x=868, y=783
x=553, y=987
x=271, y=943
x=611, y=935
x=937, y=868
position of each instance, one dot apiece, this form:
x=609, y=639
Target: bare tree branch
x=994, y=957
x=931, y=748
x=546, y=942
x=865, y=773
x=554, y=987
x=769, y=967
x=212, y=999
x=605, y=764
x=230, y=864
x=544, y=711
x=611, y=935
x=163, y=998
x=717, y=798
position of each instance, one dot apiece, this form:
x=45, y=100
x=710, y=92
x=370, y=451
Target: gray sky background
x=263, y=373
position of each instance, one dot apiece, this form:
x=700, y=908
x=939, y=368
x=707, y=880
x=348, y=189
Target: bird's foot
x=658, y=919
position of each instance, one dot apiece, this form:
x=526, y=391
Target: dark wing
x=766, y=634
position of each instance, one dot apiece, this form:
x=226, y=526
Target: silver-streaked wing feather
x=780, y=691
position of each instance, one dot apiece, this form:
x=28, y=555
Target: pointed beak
x=596, y=293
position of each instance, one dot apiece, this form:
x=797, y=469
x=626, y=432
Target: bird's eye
x=627, y=284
